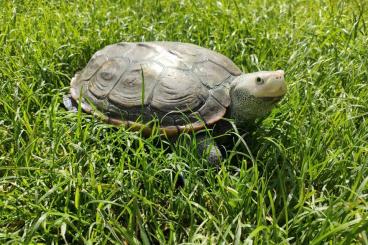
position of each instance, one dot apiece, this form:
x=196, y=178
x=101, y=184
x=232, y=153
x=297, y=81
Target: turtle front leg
x=206, y=146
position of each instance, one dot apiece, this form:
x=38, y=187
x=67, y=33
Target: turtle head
x=254, y=95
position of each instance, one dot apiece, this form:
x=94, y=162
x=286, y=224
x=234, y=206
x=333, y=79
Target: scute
x=102, y=56
x=128, y=91
x=212, y=111
x=211, y=74
x=177, y=91
x=190, y=54
x=116, y=50
x=224, y=62
x=142, y=51
x=107, y=76
x=170, y=60
x=222, y=95
x=92, y=67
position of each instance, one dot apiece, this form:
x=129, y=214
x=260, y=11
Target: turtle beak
x=278, y=84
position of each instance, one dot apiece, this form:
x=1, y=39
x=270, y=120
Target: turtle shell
x=181, y=85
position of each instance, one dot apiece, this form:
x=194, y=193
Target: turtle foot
x=69, y=103
x=207, y=147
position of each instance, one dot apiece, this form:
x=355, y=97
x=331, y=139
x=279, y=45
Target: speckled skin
x=255, y=107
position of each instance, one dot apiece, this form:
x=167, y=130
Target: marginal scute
x=91, y=102
x=134, y=116
x=211, y=111
x=76, y=85
x=222, y=95
x=167, y=120
x=185, y=119
x=93, y=66
x=116, y=112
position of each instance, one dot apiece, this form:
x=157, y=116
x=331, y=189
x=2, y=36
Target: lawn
x=301, y=177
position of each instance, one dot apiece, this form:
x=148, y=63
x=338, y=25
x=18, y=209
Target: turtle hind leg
x=207, y=147
x=69, y=103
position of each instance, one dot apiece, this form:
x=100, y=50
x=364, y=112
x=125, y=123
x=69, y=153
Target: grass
x=68, y=178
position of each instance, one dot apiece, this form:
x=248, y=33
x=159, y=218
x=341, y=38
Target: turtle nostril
x=279, y=77
x=279, y=74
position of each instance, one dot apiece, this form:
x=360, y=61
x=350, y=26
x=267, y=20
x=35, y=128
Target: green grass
x=68, y=177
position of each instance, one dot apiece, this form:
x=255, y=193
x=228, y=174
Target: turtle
x=182, y=86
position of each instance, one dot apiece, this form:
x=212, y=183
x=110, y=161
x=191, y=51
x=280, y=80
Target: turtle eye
x=259, y=81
